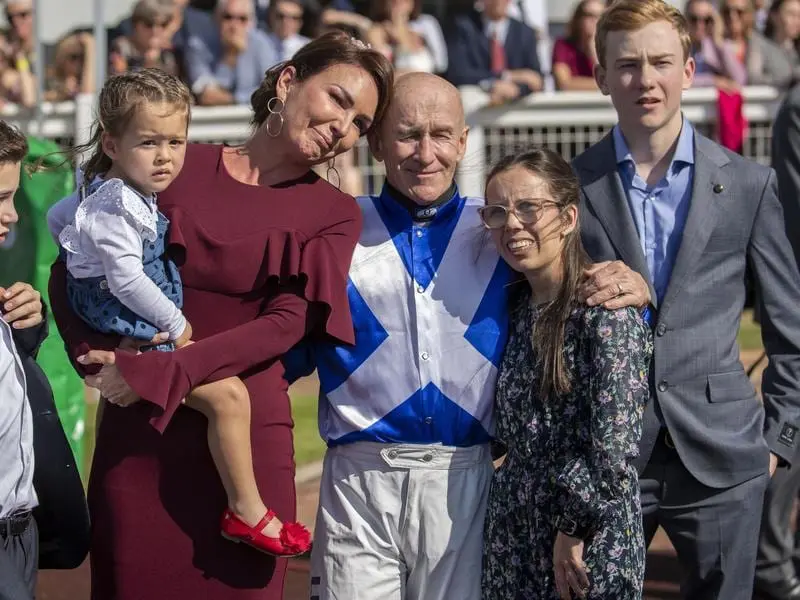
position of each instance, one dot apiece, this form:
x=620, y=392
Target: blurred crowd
x=222, y=48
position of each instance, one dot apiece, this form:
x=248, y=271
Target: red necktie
x=497, y=55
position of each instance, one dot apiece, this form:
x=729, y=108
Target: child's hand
x=23, y=305
x=133, y=344
x=185, y=336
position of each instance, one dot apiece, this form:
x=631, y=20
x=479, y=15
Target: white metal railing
x=567, y=122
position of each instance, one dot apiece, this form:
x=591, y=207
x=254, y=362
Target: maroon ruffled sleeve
x=312, y=301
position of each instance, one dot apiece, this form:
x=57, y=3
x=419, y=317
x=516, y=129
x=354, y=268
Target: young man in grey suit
x=691, y=217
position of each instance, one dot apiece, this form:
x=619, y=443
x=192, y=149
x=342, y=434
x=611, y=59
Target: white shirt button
x=425, y=356
x=419, y=232
x=420, y=289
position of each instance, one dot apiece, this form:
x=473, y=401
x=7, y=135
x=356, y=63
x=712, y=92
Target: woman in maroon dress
x=264, y=246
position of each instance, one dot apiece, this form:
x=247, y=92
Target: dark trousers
x=776, y=546
x=19, y=555
x=714, y=531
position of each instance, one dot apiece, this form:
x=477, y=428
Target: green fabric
x=27, y=255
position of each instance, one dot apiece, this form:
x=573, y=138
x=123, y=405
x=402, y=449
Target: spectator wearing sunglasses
x=716, y=63
x=68, y=76
x=148, y=44
x=184, y=22
x=20, y=36
x=285, y=19
x=764, y=60
x=228, y=67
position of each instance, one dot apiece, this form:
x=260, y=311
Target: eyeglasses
x=282, y=16
x=239, y=18
x=708, y=20
x=527, y=212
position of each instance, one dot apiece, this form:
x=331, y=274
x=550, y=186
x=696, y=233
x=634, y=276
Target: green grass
x=309, y=447
x=749, y=333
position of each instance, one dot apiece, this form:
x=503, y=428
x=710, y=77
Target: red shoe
x=294, y=539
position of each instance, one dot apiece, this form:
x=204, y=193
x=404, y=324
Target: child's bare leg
x=226, y=405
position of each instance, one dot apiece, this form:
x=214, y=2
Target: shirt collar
x=684, y=151
x=499, y=27
x=399, y=208
x=90, y=188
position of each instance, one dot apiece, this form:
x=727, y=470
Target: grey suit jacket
x=786, y=162
x=700, y=390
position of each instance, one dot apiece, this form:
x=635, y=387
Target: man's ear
x=462, y=143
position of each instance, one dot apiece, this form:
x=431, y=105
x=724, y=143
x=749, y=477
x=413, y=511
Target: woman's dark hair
x=379, y=10
x=769, y=27
x=120, y=99
x=548, y=334
x=334, y=48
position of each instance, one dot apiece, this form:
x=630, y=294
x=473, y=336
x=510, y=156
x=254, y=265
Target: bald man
x=407, y=412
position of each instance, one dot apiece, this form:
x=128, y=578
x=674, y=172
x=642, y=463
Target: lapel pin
x=718, y=188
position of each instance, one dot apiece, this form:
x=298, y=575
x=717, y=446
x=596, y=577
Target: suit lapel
x=710, y=189
x=603, y=190
x=481, y=39
x=511, y=45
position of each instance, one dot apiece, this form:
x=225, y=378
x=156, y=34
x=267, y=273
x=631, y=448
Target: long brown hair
x=547, y=335
x=379, y=10
x=120, y=99
x=334, y=48
x=572, y=30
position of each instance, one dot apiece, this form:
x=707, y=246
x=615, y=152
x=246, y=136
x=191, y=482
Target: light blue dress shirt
x=659, y=211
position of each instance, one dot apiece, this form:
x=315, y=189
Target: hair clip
x=359, y=44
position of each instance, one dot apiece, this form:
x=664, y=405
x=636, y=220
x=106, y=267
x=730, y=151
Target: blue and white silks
x=429, y=306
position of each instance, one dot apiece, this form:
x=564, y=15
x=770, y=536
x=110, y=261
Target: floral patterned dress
x=569, y=458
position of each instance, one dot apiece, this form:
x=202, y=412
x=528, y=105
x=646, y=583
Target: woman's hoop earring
x=333, y=171
x=275, y=108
